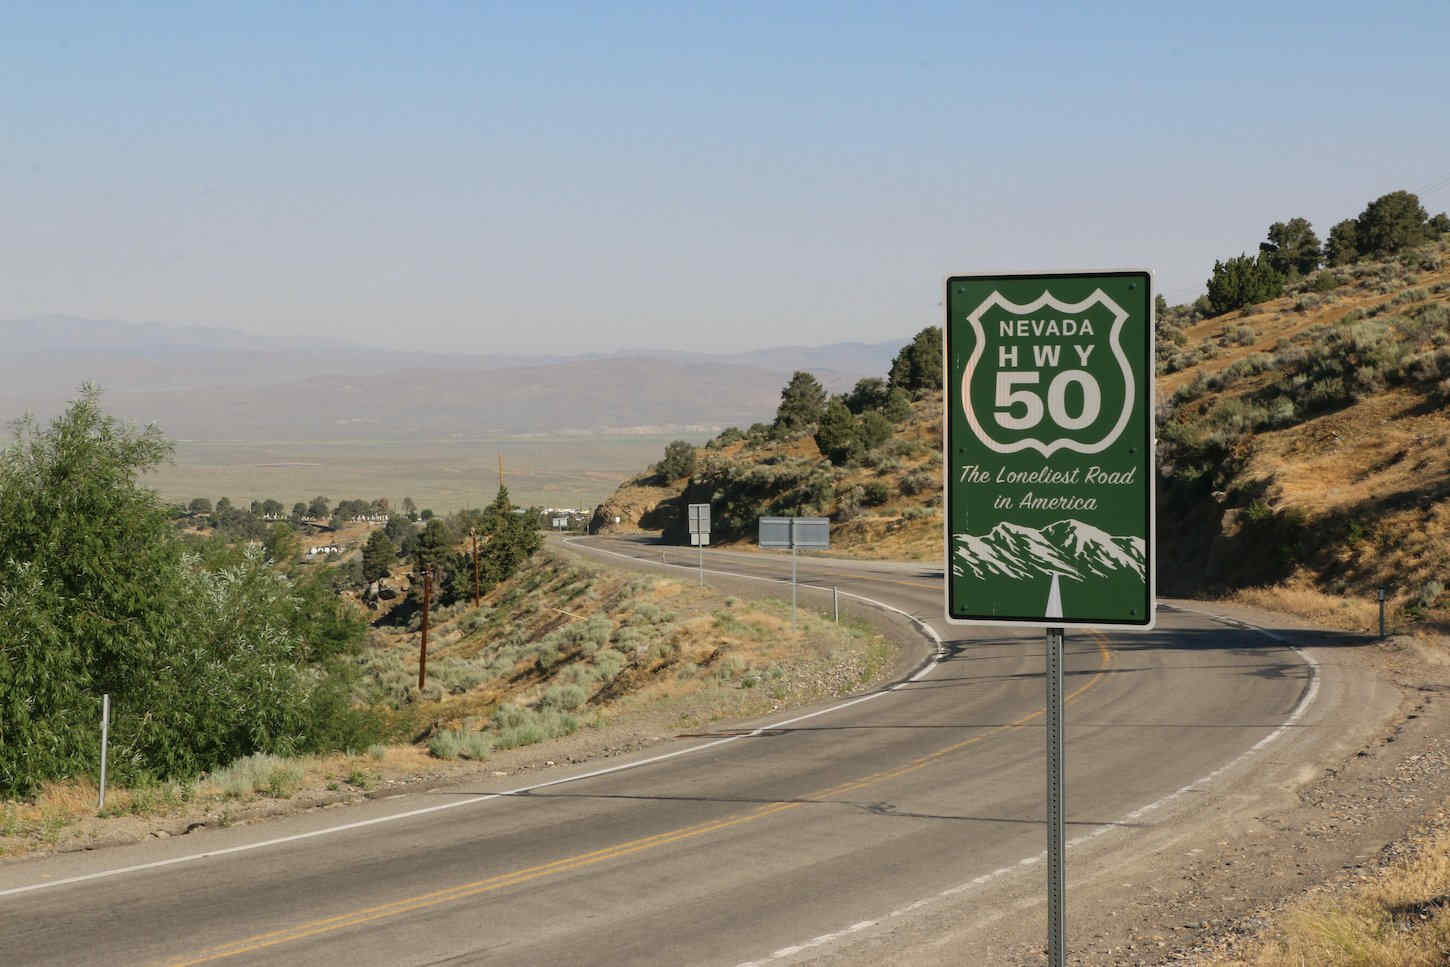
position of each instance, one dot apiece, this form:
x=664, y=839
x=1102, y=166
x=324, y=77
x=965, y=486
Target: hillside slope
x=1303, y=441
x=1304, y=445
x=885, y=504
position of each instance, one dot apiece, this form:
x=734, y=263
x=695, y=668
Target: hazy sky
x=541, y=177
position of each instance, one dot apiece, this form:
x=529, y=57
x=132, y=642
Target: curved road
x=824, y=834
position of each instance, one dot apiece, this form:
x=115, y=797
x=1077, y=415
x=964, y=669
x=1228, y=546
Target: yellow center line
x=568, y=864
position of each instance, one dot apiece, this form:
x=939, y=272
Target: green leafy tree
x=223, y=507
x=802, y=402
x=280, y=545
x=1390, y=223
x=199, y=505
x=679, y=461
x=898, y=406
x=434, y=545
x=271, y=508
x=204, y=657
x=1242, y=281
x=869, y=394
x=299, y=510
x=1342, y=247
x=377, y=556
x=319, y=507
x=1292, y=247
x=875, y=429
x=917, y=368
x=838, y=434
x=1440, y=224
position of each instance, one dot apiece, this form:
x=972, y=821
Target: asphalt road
x=790, y=843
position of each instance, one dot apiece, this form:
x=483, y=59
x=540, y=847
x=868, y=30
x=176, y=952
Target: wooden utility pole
x=473, y=532
x=500, y=471
x=423, y=645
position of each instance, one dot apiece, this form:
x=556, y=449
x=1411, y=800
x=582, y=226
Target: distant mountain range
x=207, y=383
x=1069, y=548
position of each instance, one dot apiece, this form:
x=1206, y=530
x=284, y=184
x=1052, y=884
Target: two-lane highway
x=776, y=843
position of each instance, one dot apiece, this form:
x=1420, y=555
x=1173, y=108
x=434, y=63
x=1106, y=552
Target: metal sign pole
x=836, y=602
x=702, y=564
x=1056, y=794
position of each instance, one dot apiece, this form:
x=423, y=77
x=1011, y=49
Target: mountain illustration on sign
x=1068, y=548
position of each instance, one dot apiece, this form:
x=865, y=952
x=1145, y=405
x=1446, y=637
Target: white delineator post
x=105, y=738
x=792, y=585
x=1056, y=790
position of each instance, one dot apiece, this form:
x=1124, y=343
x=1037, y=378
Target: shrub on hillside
x=875, y=429
x=917, y=368
x=727, y=436
x=838, y=434
x=917, y=482
x=802, y=402
x=1242, y=281
x=678, y=461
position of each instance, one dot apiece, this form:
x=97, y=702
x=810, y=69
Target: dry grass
x=1399, y=917
x=1301, y=599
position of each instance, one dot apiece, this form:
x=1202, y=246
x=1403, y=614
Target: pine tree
x=802, y=402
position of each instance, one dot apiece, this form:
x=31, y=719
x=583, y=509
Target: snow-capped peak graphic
x=1068, y=548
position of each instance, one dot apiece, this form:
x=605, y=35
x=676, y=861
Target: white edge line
x=1300, y=708
x=474, y=800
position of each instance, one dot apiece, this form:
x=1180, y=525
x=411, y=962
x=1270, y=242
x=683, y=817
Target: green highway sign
x=1049, y=446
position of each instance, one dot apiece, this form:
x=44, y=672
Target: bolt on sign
x=1049, y=471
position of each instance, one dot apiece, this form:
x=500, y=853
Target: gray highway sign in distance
x=699, y=518
x=775, y=531
x=800, y=532
x=1049, y=470
x=811, y=532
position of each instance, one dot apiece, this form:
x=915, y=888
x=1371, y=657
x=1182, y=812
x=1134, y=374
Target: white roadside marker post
x=105, y=738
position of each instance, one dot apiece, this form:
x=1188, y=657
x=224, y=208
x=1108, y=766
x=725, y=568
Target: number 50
x=1012, y=392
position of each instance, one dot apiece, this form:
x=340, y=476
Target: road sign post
x=1049, y=475
x=700, y=533
x=813, y=533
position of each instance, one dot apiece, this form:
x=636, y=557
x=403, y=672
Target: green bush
x=566, y=697
x=445, y=744
x=875, y=494
x=678, y=461
x=917, y=482
x=1242, y=281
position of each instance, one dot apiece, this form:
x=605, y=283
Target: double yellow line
x=462, y=891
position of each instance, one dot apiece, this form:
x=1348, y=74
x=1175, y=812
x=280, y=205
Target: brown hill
x=1304, y=451
x=884, y=504
x=1303, y=440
